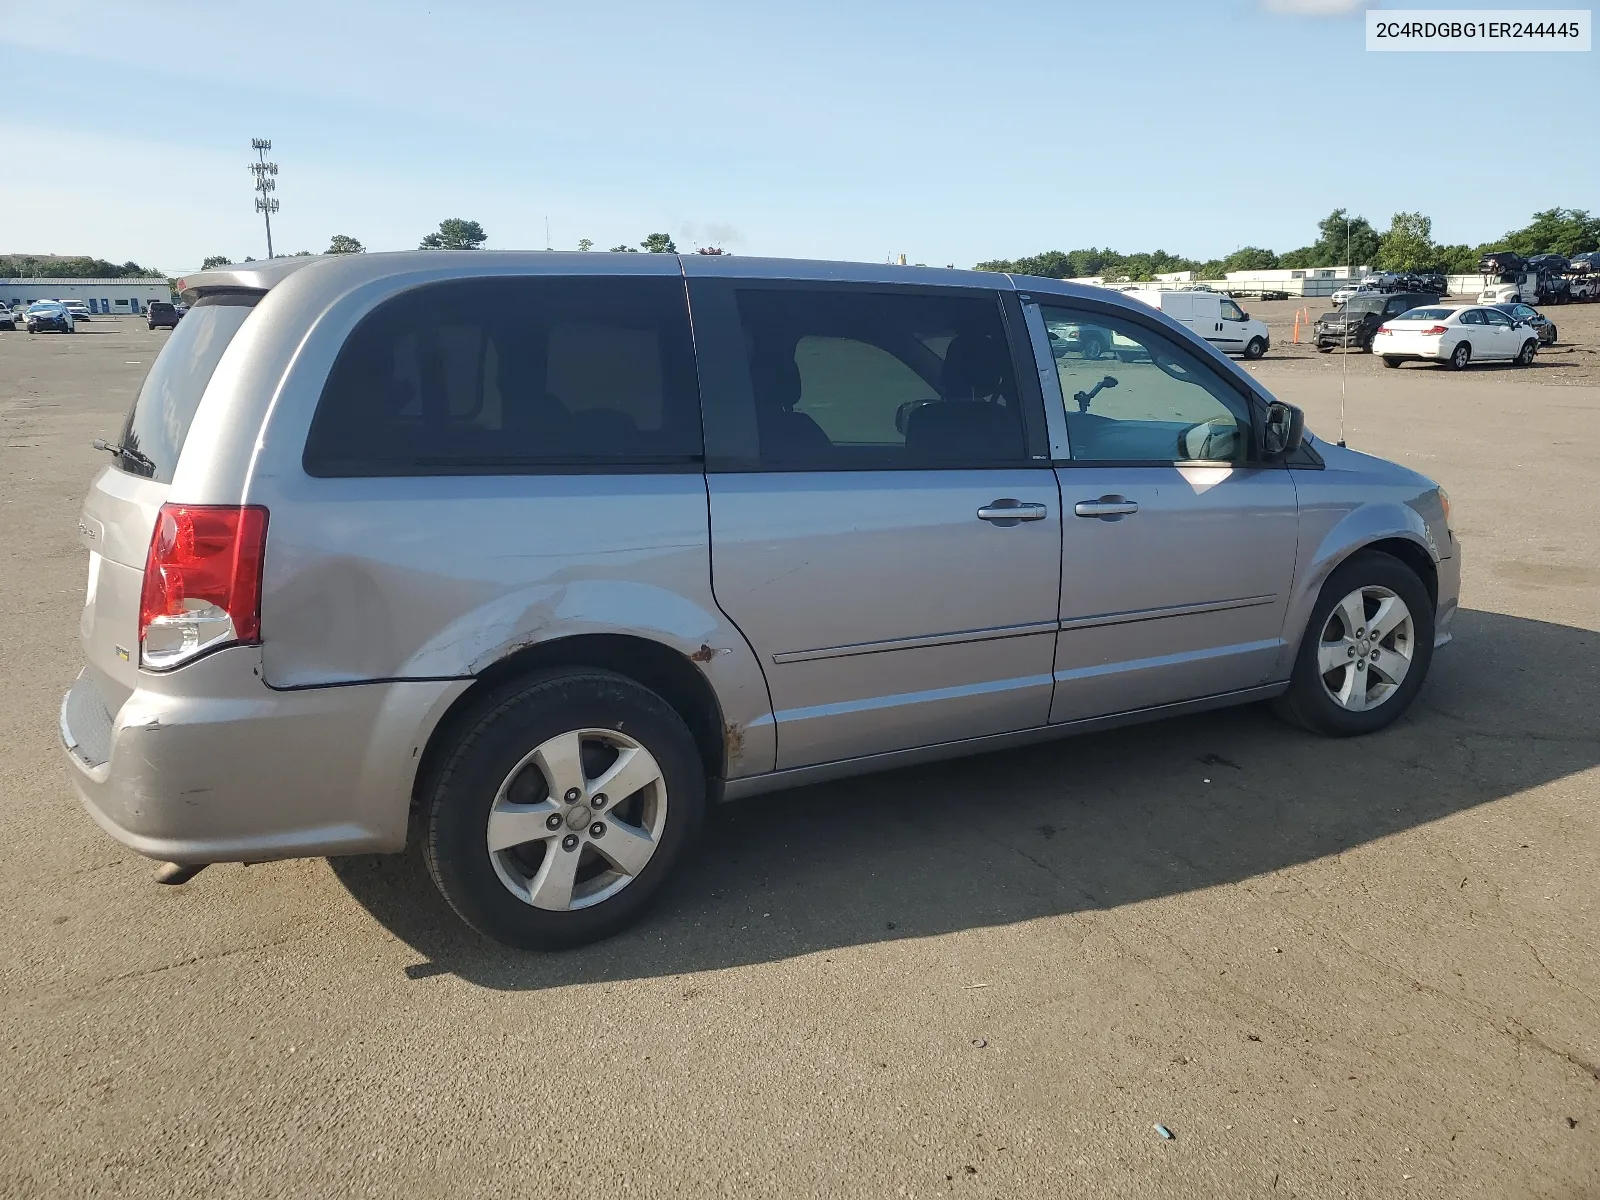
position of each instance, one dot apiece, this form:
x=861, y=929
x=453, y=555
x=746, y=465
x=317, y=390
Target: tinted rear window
x=514, y=375
x=1425, y=314
x=159, y=422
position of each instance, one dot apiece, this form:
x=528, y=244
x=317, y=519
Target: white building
x=126, y=296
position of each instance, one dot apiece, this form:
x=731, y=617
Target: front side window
x=869, y=380
x=508, y=376
x=1231, y=311
x=1495, y=317
x=1148, y=400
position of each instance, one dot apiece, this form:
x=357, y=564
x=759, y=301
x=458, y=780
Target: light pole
x=266, y=183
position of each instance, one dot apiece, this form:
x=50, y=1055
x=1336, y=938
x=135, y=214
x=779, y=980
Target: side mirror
x=1284, y=430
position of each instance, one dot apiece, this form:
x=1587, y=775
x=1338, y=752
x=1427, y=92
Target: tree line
x=31, y=266
x=1342, y=240
x=458, y=233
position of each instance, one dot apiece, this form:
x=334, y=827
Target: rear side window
x=159, y=421
x=509, y=376
x=862, y=380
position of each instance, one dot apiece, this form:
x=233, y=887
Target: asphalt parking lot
x=1359, y=968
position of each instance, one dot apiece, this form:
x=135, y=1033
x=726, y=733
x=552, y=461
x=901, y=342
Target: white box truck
x=1216, y=318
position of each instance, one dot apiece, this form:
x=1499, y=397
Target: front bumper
x=207, y=764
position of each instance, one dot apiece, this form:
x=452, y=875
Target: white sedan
x=1457, y=334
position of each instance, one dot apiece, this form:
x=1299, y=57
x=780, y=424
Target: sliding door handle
x=1011, y=512
x=1106, y=506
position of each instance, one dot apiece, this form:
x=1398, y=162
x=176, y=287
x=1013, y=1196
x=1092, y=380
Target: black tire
x=484, y=749
x=1307, y=702
x=1461, y=356
x=1255, y=348
x=1526, y=354
x=1391, y=361
x=1093, y=348
x=1324, y=348
x=1552, y=341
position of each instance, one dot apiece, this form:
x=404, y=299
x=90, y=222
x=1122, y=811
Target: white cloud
x=1317, y=8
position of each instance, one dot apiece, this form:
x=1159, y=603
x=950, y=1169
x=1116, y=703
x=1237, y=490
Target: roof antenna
x=1344, y=332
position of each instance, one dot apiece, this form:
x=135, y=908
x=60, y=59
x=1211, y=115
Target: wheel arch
x=661, y=668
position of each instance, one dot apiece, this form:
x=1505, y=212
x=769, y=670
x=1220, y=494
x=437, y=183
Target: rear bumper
x=208, y=764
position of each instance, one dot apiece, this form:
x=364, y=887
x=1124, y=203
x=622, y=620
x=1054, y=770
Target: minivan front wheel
x=561, y=807
x=1366, y=649
x=1255, y=348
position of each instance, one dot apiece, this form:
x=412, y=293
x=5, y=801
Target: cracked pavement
x=1360, y=968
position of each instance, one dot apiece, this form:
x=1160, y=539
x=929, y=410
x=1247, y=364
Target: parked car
x=78, y=309
x=1532, y=317
x=8, y=319
x=1502, y=262
x=1353, y=325
x=1435, y=284
x=46, y=315
x=161, y=314
x=1585, y=287
x=494, y=539
x=1348, y=290
x=1217, y=319
x=1501, y=293
x=1456, y=334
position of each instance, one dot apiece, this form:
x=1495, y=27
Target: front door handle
x=1107, y=507
x=1008, y=512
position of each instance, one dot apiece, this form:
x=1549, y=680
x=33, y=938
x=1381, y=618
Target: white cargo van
x=1216, y=318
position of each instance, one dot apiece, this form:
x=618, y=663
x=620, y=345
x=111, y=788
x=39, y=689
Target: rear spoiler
x=257, y=277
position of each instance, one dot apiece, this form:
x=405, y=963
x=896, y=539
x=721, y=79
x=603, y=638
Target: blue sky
x=949, y=131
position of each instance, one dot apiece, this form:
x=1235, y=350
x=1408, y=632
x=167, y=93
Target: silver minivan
x=537, y=554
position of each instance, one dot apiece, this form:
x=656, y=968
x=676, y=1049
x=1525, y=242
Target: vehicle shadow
x=1083, y=823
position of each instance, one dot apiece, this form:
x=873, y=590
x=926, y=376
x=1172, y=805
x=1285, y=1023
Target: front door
x=889, y=547
x=1178, y=551
x=1231, y=329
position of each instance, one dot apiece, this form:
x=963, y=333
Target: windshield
x=159, y=421
x=44, y=306
x=1364, y=304
x=1425, y=314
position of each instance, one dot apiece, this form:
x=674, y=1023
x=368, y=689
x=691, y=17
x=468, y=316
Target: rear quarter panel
x=440, y=577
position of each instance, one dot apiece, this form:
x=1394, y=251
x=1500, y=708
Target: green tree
x=29, y=266
x=343, y=243
x=1408, y=246
x=303, y=254
x=1250, y=258
x=658, y=243
x=1554, y=231
x=455, y=233
x=1343, y=240
x=585, y=244
x=216, y=260
x=623, y=250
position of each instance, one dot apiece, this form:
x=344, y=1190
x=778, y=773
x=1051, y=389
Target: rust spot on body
x=732, y=742
x=703, y=655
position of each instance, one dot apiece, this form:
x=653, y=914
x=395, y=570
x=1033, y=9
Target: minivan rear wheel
x=561, y=807
x=1366, y=649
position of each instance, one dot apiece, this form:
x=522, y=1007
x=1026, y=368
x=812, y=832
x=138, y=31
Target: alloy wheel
x=577, y=819
x=1366, y=648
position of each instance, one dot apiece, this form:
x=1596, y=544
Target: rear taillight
x=1434, y=331
x=1384, y=329
x=202, y=582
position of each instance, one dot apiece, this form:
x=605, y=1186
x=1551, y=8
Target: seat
x=972, y=423
x=786, y=436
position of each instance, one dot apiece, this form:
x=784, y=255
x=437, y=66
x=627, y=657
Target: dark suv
x=162, y=314
x=1358, y=320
